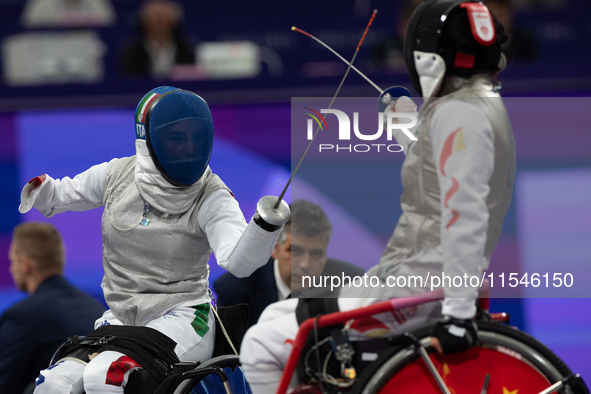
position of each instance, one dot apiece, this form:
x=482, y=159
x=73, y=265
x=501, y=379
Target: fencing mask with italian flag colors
x=178, y=129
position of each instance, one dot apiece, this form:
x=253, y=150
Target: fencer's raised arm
x=52, y=196
x=463, y=146
x=239, y=248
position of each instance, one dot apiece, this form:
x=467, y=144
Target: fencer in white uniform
x=165, y=211
x=458, y=181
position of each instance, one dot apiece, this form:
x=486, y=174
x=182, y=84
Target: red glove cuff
x=38, y=180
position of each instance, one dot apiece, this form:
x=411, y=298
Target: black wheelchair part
x=162, y=372
x=190, y=379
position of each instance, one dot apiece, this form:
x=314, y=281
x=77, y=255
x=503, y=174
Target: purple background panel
x=554, y=208
x=551, y=129
x=563, y=326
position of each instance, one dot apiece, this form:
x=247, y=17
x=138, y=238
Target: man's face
x=299, y=256
x=158, y=20
x=17, y=267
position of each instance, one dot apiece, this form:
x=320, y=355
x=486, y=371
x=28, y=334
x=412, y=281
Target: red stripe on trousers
x=118, y=368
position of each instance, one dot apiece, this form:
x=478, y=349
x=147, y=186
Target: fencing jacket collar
x=157, y=191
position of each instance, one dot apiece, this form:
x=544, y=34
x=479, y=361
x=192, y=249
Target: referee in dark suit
x=300, y=251
x=33, y=329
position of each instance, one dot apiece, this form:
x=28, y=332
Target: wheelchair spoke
x=425, y=356
x=561, y=383
x=556, y=386
x=433, y=370
x=485, y=385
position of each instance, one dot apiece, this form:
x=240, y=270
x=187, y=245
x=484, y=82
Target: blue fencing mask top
x=178, y=130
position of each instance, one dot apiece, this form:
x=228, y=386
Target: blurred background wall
x=72, y=73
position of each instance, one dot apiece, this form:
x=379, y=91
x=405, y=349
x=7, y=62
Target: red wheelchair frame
x=341, y=317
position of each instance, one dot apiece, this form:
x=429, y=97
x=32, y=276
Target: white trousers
x=267, y=345
x=109, y=371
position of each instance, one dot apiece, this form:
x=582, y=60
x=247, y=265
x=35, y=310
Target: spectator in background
x=521, y=45
x=160, y=44
x=33, y=329
x=300, y=250
x=68, y=13
x=388, y=54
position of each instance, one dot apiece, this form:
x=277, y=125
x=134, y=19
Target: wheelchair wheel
x=197, y=383
x=514, y=361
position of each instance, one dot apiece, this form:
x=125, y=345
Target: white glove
x=402, y=104
x=30, y=192
x=405, y=104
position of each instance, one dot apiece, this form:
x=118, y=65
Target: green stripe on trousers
x=200, y=323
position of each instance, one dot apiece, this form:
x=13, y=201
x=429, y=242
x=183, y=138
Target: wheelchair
x=221, y=374
x=506, y=361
